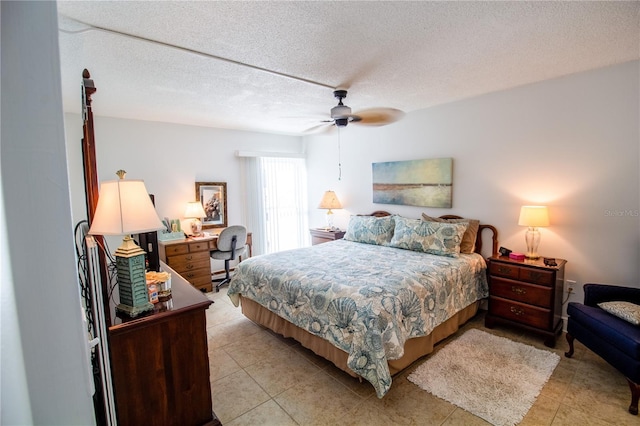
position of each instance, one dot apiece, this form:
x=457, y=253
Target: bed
x=375, y=301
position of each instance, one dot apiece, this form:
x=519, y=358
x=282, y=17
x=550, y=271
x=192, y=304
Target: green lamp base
x=134, y=311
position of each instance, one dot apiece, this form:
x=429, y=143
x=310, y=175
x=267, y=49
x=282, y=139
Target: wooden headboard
x=478, y=248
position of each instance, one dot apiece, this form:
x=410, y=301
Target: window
x=276, y=203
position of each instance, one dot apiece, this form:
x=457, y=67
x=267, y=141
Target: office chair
x=232, y=243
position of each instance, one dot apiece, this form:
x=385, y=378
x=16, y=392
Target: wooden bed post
x=91, y=180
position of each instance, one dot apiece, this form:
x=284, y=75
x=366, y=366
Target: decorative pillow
x=370, y=230
x=429, y=237
x=468, y=244
x=626, y=310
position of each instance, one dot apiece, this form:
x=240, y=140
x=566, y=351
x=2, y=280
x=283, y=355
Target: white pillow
x=626, y=310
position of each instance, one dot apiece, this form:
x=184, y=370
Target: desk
x=160, y=362
x=190, y=257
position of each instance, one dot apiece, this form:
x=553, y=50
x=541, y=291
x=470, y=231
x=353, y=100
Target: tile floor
x=260, y=378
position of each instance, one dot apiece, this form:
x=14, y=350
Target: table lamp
x=329, y=201
x=195, y=212
x=125, y=208
x=533, y=217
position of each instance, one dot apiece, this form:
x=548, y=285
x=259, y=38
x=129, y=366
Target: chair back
x=226, y=238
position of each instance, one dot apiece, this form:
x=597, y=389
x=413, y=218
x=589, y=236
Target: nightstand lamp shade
x=533, y=217
x=125, y=208
x=329, y=201
x=195, y=212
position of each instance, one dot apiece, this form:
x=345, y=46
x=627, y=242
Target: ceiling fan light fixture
x=341, y=122
x=340, y=111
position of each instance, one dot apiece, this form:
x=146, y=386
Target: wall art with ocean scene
x=424, y=183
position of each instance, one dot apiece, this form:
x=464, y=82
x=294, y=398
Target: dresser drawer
x=522, y=292
x=174, y=249
x=183, y=267
x=186, y=258
x=197, y=276
x=199, y=246
x=520, y=312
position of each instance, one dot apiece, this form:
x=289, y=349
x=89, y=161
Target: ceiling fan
x=341, y=115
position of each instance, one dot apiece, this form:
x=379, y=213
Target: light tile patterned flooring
x=260, y=378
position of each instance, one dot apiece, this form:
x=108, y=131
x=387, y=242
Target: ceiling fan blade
x=379, y=116
x=320, y=128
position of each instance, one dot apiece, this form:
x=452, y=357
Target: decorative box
x=168, y=236
x=516, y=256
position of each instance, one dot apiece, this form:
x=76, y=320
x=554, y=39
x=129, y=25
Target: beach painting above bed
x=423, y=183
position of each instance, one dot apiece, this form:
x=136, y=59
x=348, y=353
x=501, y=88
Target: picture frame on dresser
x=213, y=196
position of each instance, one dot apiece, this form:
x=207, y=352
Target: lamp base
x=134, y=311
x=196, y=227
x=532, y=237
x=329, y=226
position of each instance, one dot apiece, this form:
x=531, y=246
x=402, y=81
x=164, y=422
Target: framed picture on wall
x=213, y=196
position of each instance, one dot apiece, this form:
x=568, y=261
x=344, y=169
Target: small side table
x=319, y=236
x=528, y=294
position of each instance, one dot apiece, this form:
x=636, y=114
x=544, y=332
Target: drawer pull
x=504, y=269
x=518, y=290
x=189, y=257
x=189, y=266
x=517, y=311
x=536, y=276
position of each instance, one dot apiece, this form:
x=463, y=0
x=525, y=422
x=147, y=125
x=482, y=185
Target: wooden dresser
x=160, y=362
x=190, y=257
x=319, y=236
x=527, y=294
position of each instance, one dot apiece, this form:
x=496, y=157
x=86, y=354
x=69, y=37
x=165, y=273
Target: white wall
x=44, y=377
x=570, y=143
x=170, y=158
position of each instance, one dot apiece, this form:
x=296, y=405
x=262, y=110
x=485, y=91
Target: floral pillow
x=429, y=237
x=626, y=310
x=468, y=244
x=370, y=230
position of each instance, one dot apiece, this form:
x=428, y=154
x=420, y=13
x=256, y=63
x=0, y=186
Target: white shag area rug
x=491, y=377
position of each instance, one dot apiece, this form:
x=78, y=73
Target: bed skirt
x=413, y=348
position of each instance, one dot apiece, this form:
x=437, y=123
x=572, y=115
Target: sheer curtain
x=276, y=204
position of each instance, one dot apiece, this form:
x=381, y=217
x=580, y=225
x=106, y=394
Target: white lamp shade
x=124, y=207
x=194, y=210
x=534, y=216
x=329, y=201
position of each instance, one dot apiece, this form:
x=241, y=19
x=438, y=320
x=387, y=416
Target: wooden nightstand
x=527, y=294
x=319, y=236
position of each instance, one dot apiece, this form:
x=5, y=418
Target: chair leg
x=570, y=340
x=635, y=394
x=227, y=276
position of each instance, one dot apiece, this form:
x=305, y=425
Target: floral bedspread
x=364, y=299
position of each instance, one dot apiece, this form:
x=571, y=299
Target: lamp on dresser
x=195, y=212
x=330, y=201
x=124, y=208
x=533, y=217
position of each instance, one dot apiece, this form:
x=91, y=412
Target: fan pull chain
x=339, y=158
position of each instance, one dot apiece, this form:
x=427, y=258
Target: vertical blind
x=276, y=207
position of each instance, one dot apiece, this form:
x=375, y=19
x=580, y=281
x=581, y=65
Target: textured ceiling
x=405, y=55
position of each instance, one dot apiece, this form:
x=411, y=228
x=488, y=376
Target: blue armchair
x=615, y=340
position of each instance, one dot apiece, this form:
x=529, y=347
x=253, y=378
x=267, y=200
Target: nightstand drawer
x=521, y=273
x=536, y=276
x=504, y=270
x=522, y=292
x=519, y=312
